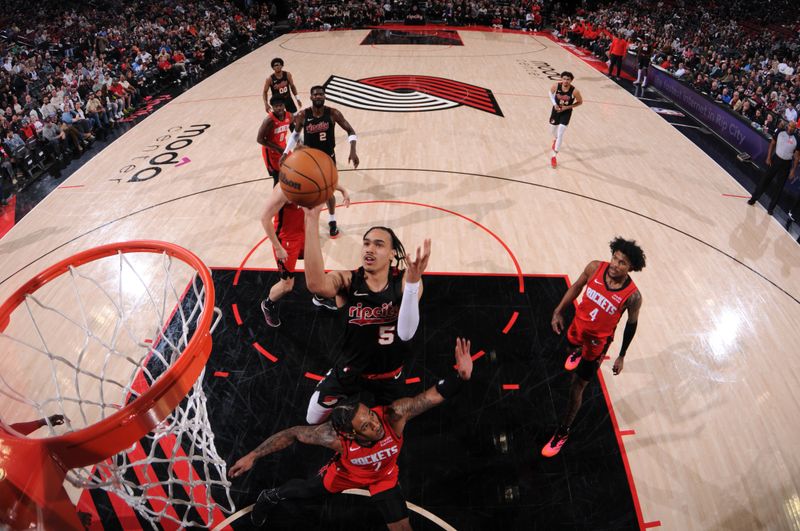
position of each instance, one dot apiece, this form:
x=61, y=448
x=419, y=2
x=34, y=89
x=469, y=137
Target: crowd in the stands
x=70, y=71
x=726, y=50
x=510, y=14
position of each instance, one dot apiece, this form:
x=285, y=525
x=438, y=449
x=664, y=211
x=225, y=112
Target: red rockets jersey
x=290, y=222
x=374, y=464
x=600, y=308
x=280, y=129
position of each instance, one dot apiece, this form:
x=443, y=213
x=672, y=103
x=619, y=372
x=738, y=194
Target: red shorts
x=592, y=346
x=294, y=248
x=271, y=159
x=335, y=482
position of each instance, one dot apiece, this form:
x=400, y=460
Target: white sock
x=331, y=217
x=560, y=137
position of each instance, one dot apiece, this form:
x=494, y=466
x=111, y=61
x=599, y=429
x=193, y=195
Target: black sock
x=269, y=304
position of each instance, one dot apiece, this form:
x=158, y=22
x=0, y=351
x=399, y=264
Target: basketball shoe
x=553, y=147
x=270, y=313
x=573, y=360
x=553, y=162
x=329, y=304
x=266, y=499
x=334, y=230
x=552, y=447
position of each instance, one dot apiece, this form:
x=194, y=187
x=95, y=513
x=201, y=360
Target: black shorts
x=560, y=118
x=339, y=385
x=587, y=369
x=391, y=504
x=290, y=106
x=644, y=63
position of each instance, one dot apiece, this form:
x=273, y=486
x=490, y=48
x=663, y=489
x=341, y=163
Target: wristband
x=352, y=138
x=449, y=386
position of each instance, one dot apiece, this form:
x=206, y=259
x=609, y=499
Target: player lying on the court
x=368, y=443
x=379, y=303
x=610, y=291
x=284, y=223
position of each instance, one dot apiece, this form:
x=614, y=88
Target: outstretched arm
x=405, y=409
x=319, y=435
x=317, y=280
x=408, y=320
x=572, y=293
x=351, y=135
x=634, y=304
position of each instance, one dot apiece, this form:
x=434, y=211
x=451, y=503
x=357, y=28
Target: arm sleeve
x=292, y=142
x=627, y=337
x=552, y=98
x=408, y=319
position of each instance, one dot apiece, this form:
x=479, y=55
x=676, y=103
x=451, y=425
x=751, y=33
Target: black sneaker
x=329, y=304
x=270, y=314
x=266, y=499
x=334, y=231
x=751, y=201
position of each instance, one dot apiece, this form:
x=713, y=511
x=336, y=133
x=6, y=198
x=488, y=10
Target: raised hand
x=417, y=266
x=463, y=358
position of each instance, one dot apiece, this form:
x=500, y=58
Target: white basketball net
x=94, y=339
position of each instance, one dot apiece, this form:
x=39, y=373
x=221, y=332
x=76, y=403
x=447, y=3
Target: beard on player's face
x=318, y=101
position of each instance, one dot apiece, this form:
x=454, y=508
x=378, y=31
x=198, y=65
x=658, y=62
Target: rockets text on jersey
x=601, y=307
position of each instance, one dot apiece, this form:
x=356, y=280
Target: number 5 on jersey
x=386, y=335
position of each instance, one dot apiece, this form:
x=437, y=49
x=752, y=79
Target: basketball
x=308, y=177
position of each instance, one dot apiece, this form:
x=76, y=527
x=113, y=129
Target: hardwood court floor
x=709, y=389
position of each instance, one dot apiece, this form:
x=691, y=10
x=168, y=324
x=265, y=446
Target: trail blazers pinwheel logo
x=409, y=94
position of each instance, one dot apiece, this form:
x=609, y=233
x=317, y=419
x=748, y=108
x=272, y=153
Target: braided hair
x=342, y=418
x=397, y=245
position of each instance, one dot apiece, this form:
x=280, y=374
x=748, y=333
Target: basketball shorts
x=294, y=248
x=592, y=347
x=386, y=493
x=272, y=162
x=372, y=390
x=560, y=118
x=644, y=63
x=290, y=106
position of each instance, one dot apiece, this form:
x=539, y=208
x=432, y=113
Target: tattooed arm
x=320, y=435
x=405, y=409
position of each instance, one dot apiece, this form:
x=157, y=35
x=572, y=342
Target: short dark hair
x=568, y=74
x=629, y=248
x=276, y=99
x=397, y=245
x=276, y=61
x=342, y=417
x=317, y=87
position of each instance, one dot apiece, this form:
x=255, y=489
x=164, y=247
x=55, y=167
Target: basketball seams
x=321, y=171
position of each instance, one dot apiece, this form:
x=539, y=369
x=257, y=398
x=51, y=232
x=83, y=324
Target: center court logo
x=409, y=94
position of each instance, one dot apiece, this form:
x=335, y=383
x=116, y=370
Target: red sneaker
x=553, y=162
x=554, y=445
x=573, y=360
x=553, y=147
